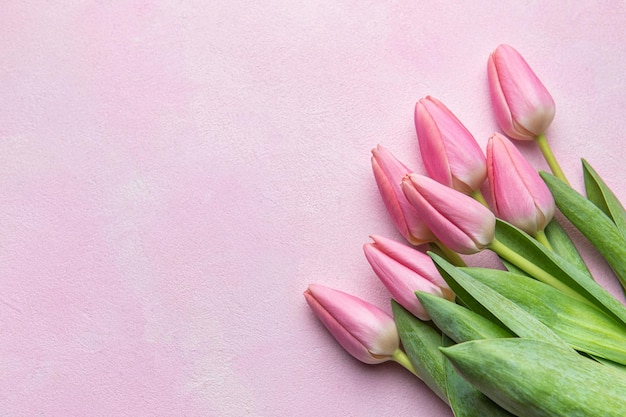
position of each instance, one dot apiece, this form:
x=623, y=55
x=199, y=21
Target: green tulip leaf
x=583, y=326
x=606, y=362
x=601, y=195
x=465, y=400
x=592, y=222
x=421, y=343
x=532, y=378
x=563, y=246
x=457, y=322
x=463, y=297
x=513, y=317
x=512, y=268
x=537, y=259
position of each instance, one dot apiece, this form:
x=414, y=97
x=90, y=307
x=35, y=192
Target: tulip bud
x=449, y=151
x=364, y=330
x=389, y=171
x=457, y=220
x=519, y=195
x=524, y=108
x=404, y=271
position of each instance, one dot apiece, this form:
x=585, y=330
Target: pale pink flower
x=457, y=220
x=523, y=106
x=364, y=330
x=388, y=172
x=450, y=153
x=519, y=195
x=404, y=270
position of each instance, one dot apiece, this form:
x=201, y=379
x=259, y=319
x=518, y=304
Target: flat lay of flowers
x=536, y=337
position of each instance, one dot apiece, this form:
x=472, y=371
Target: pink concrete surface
x=173, y=174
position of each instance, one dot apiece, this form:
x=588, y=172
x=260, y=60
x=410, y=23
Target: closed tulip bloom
x=519, y=195
x=388, y=172
x=404, y=270
x=450, y=153
x=457, y=220
x=523, y=106
x=364, y=330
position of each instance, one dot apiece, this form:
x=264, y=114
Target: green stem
x=550, y=158
x=478, y=196
x=533, y=270
x=401, y=358
x=452, y=256
x=541, y=237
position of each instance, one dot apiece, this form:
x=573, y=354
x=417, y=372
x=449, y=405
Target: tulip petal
x=450, y=153
x=500, y=105
x=390, y=198
x=534, y=106
x=524, y=108
x=458, y=221
x=365, y=331
x=402, y=281
x=432, y=147
x=388, y=172
x=519, y=194
x=411, y=258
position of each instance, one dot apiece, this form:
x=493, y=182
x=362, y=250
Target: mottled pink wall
x=173, y=174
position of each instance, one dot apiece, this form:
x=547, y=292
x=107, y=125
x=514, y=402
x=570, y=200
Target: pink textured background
x=173, y=174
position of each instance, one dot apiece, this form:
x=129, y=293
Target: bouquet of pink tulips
x=538, y=337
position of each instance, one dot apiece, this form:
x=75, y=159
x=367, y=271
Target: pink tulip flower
x=523, y=106
x=457, y=220
x=450, y=153
x=364, y=330
x=389, y=171
x=519, y=195
x=403, y=271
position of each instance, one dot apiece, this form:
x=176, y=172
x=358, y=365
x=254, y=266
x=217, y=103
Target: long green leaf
x=606, y=362
x=465, y=399
x=601, y=195
x=512, y=268
x=457, y=322
x=563, y=246
x=462, y=295
x=592, y=223
x=531, y=378
x=421, y=343
x=527, y=247
x=507, y=312
x=583, y=326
